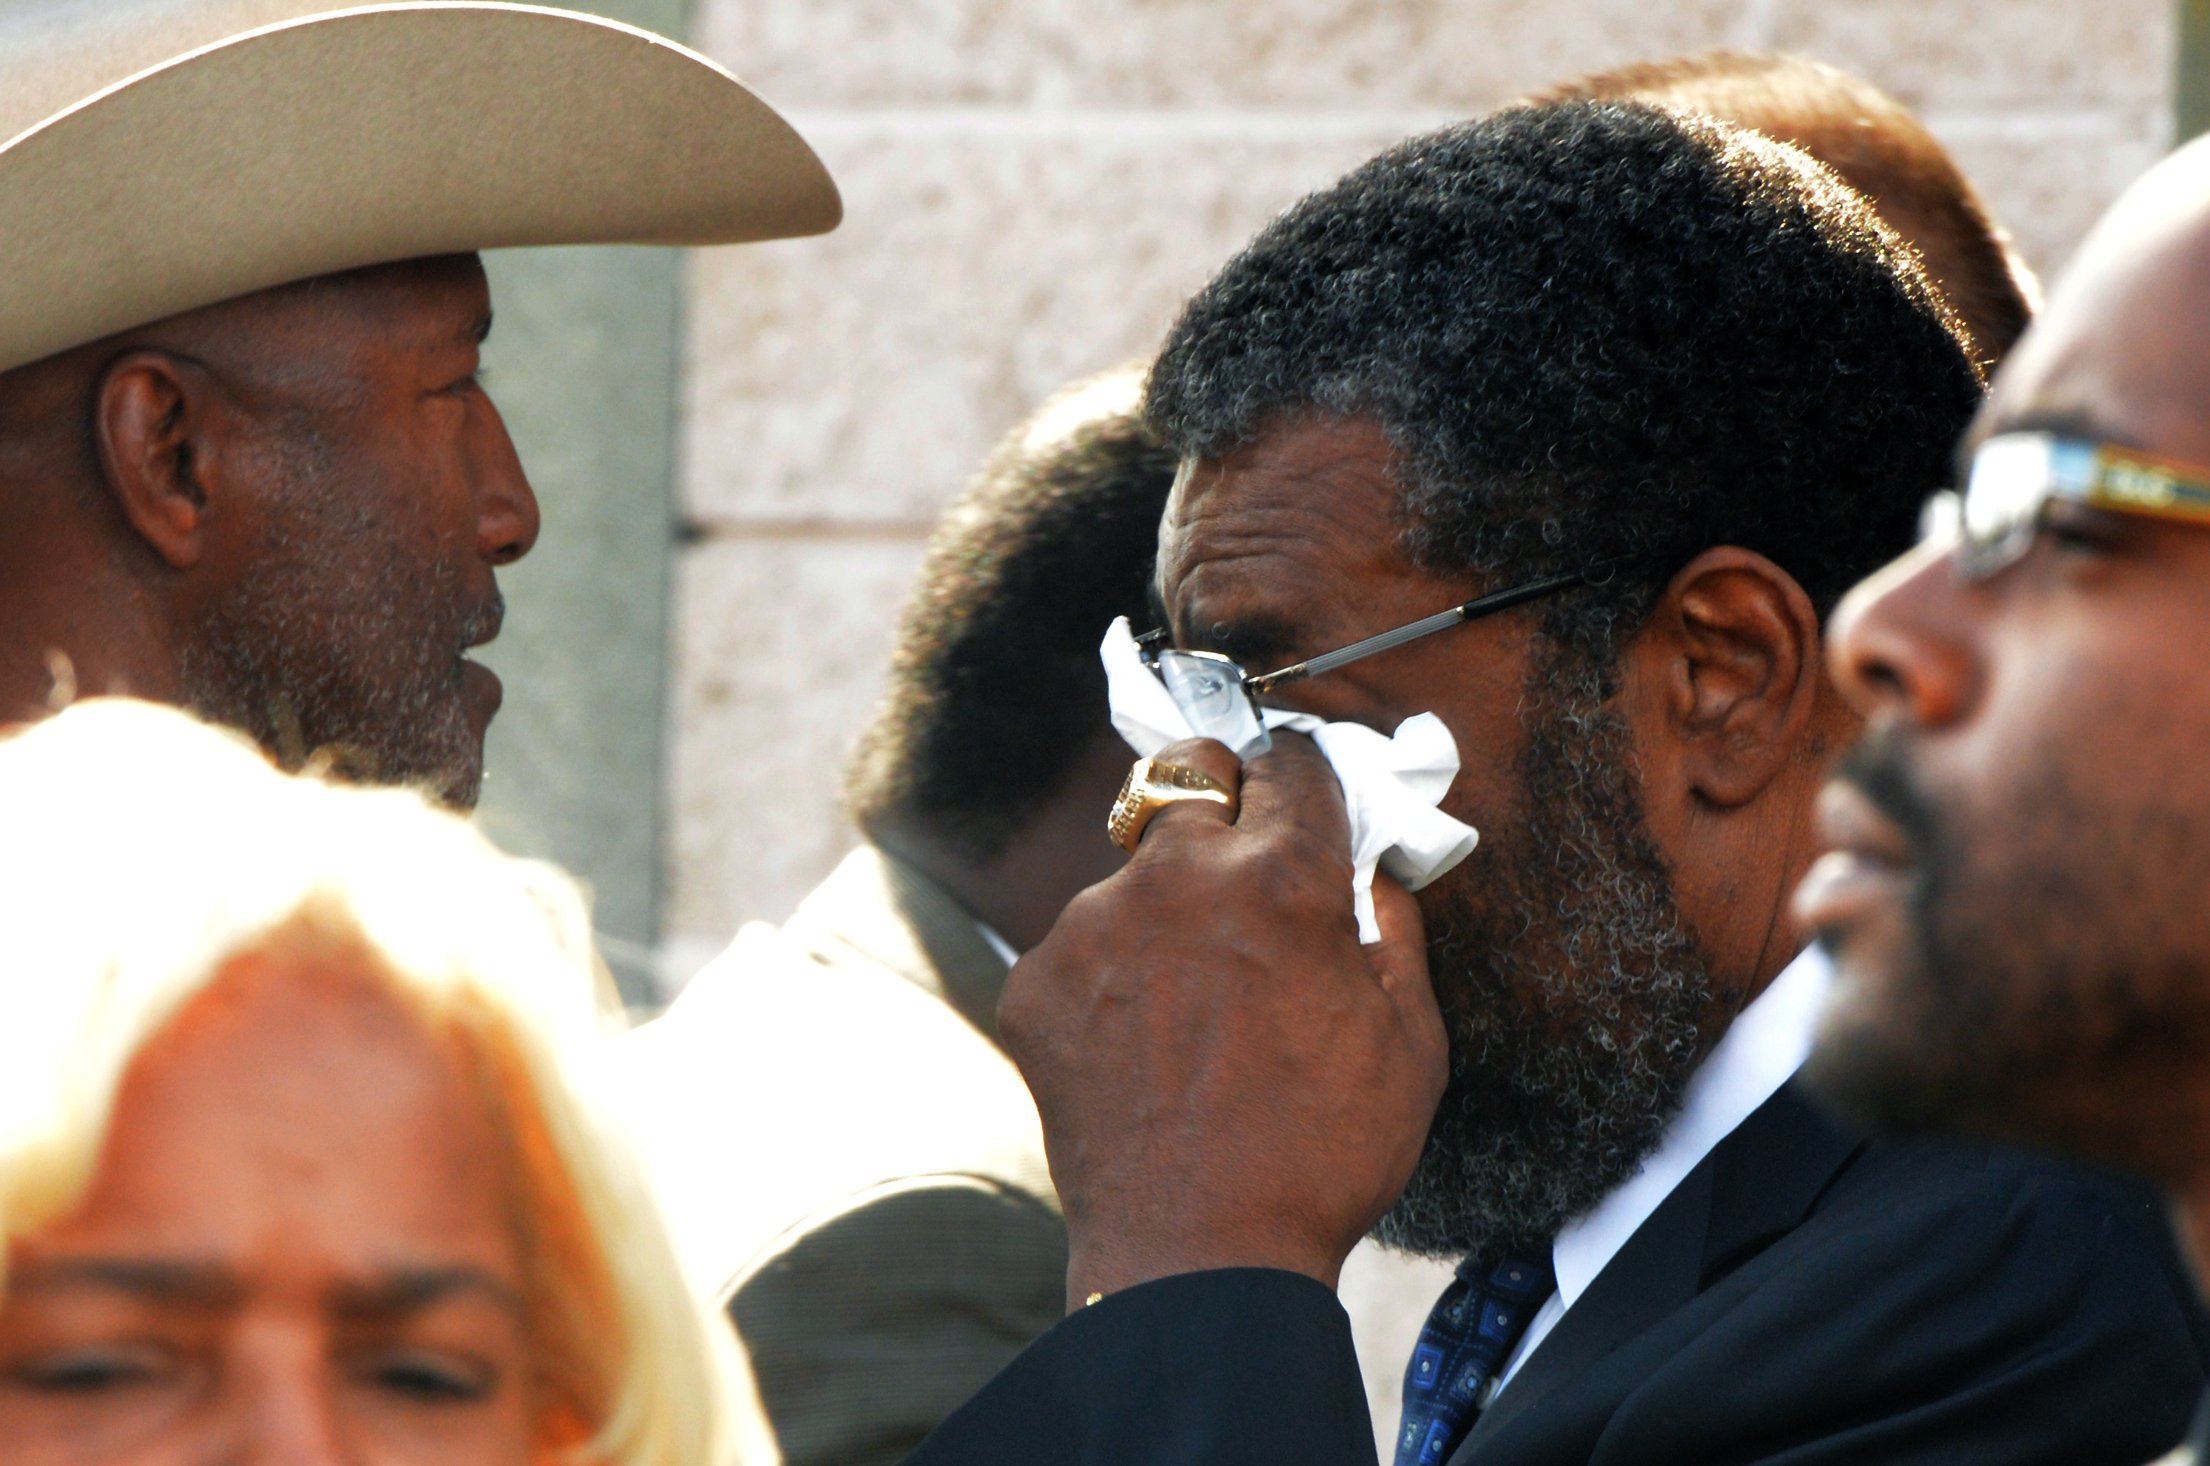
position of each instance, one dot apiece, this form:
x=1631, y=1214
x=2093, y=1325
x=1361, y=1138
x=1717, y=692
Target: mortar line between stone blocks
x=1138, y=123
x=2034, y=124
x=701, y=530
x=1134, y=125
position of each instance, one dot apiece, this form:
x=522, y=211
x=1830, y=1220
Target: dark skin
x=1209, y=969
x=156, y=478
x=1225, y=1076
x=1289, y=547
x=1056, y=854
x=2051, y=720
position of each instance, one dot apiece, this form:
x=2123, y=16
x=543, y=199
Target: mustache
x=484, y=622
x=1878, y=768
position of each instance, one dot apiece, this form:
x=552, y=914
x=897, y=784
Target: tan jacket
x=852, y=1164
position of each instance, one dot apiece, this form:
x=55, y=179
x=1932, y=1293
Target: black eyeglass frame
x=1396, y=636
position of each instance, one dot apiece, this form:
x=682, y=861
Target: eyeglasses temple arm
x=1411, y=631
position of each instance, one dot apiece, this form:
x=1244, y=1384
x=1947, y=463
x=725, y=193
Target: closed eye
x=2076, y=529
x=431, y=1377
x=91, y=1370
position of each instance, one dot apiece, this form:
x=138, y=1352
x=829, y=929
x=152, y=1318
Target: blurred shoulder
x=781, y=1083
x=872, y=1319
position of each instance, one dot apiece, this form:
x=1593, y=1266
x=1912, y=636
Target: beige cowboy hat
x=161, y=155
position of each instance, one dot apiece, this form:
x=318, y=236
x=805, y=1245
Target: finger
x=1294, y=784
x=1207, y=757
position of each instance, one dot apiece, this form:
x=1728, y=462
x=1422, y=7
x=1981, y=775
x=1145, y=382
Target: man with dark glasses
x=2017, y=887
x=1573, y=336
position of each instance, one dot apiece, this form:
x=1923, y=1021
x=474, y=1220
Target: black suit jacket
x=1803, y=1297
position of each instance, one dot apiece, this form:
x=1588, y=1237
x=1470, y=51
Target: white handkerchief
x=1391, y=784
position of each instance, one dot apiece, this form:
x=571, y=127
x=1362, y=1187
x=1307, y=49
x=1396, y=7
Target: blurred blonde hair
x=145, y=851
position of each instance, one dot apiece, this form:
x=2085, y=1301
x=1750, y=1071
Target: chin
x=448, y=770
x=1878, y=1061
x=459, y=789
x=1876, y=1090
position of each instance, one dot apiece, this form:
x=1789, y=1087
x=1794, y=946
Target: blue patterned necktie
x=1463, y=1345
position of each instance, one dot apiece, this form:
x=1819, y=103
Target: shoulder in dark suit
x=1802, y=1297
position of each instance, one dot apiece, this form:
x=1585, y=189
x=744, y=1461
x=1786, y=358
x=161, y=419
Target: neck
x=1062, y=850
x=1764, y=934
x=2191, y=1219
x=51, y=660
x=77, y=626
x=76, y=607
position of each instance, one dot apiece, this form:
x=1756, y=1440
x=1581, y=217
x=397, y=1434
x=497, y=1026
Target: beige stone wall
x=1034, y=185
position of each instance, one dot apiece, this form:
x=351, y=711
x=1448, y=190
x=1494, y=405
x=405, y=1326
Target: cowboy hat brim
x=375, y=134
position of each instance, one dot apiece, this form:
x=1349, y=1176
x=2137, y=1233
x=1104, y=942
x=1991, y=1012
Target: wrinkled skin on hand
x=1226, y=1077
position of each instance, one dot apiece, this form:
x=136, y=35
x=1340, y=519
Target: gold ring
x=1151, y=786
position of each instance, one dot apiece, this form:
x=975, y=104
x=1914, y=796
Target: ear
x=158, y=424
x=1739, y=682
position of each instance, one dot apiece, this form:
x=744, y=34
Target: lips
x=482, y=689
x=481, y=686
x=1867, y=864
x=485, y=624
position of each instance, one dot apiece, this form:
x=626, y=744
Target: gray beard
x=342, y=651
x=1575, y=998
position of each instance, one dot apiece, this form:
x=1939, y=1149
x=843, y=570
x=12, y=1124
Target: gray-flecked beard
x=1575, y=998
x=343, y=650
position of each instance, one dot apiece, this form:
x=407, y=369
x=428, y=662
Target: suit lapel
x=1655, y=1273
x=1769, y=1174
x=1756, y=1185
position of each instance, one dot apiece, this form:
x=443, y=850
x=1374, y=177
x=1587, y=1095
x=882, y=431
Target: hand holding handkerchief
x=1392, y=783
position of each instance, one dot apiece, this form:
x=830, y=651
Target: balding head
x=283, y=511
x=2121, y=345
x=2022, y=845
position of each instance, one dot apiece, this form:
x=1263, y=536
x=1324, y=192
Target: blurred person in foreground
x=303, y=1156
x=892, y=1240
x=2018, y=889
x=1876, y=146
x=1670, y=389
x=247, y=462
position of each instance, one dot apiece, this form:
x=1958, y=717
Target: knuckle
x=1205, y=754
x=1304, y=869
x=1017, y=1012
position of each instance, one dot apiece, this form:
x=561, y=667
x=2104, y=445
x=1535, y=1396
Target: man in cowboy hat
x=247, y=464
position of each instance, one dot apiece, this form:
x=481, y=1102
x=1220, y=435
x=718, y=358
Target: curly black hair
x=1595, y=333
x=995, y=683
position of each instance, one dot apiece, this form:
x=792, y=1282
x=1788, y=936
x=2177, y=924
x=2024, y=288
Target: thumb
x=1399, y=959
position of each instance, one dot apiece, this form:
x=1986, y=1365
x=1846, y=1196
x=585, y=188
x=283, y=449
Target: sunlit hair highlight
x=148, y=852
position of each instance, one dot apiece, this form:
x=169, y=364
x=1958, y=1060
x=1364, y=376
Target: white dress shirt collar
x=1767, y=1042
x=997, y=943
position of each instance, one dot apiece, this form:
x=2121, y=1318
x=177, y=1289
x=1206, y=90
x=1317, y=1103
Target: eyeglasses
x=1221, y=700
x=2015, y=475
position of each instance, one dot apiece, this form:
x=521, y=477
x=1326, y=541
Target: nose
x=1900, y=645
x=506, y=505
x=286, y=1411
